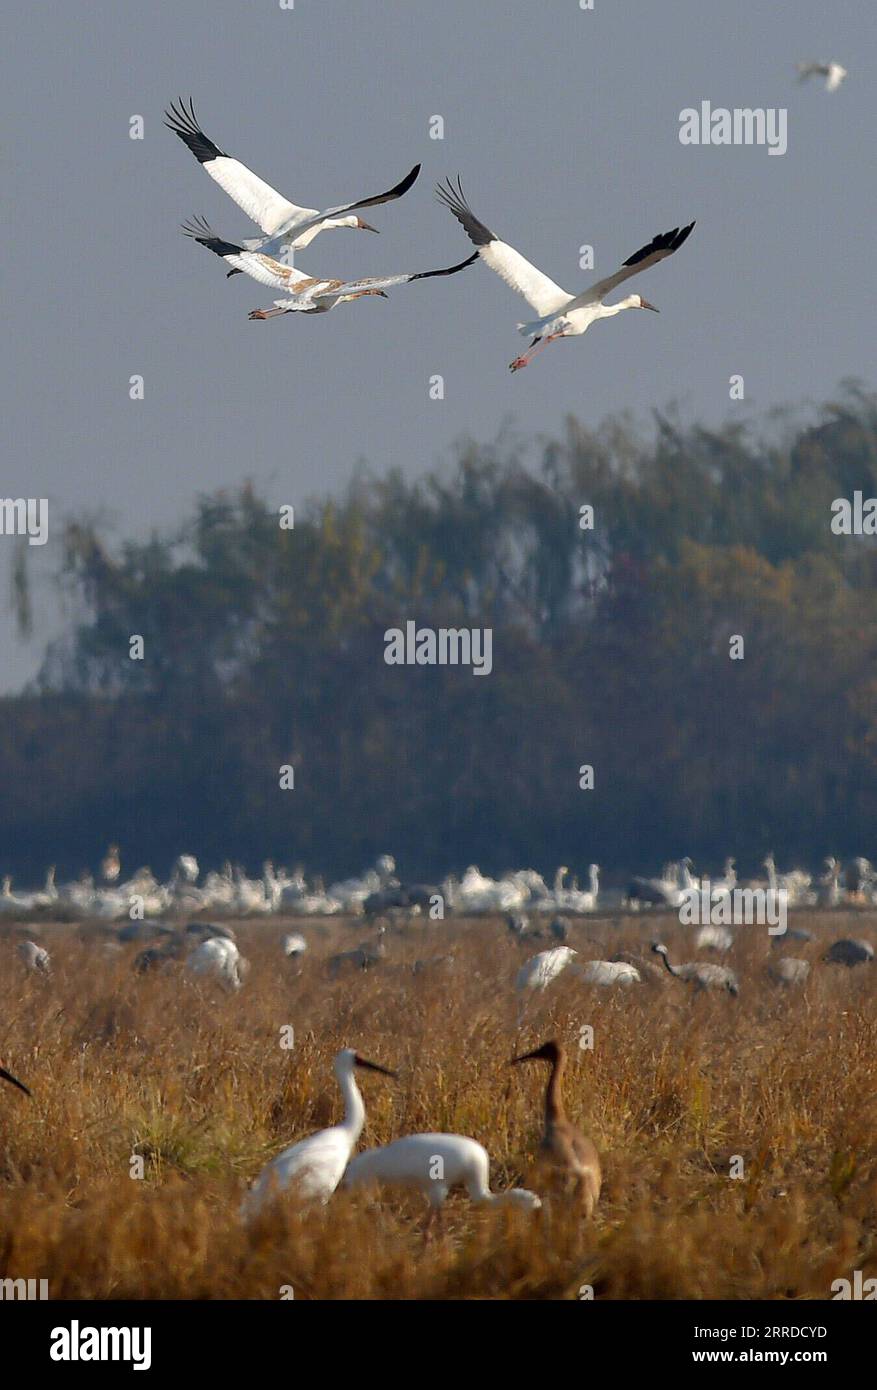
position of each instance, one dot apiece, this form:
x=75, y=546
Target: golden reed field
x=195, y=1081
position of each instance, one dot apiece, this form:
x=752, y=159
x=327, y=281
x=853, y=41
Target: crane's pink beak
x=13, y=1080
x=372, y=1066
x=366, y=226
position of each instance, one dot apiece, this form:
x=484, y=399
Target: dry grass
x=196, y=1082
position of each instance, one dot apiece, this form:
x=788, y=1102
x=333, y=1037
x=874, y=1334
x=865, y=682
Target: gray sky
x=564, y=125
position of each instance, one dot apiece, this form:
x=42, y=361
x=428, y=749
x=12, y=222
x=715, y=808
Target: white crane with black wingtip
x=308, y=294
x=561, y=315
x=286, y=227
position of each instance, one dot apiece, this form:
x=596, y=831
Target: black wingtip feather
x=184, y=123
x=664, y=241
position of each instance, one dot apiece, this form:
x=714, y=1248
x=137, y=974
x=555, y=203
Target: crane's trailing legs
x=536, y=346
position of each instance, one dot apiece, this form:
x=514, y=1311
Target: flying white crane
x=286, y=226
x=434, y=1164
x=311, y=295
x=833, y=73
x=315, y=1166
x=561, y=315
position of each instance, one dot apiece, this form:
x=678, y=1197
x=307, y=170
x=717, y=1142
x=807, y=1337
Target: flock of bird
x=287, y=228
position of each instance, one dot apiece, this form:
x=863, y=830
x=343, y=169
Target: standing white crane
x=435, y=1163
x=701, y=974
x=561, y=315
x=310, y=295
x=833, y=73
x=286, y=227
x=315, y=1166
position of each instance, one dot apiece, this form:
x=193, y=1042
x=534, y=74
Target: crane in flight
x=833, y=73
x=307, y=294
x=561, y=315
x=286, y=227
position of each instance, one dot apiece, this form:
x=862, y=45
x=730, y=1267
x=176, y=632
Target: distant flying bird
x=315, y=1166
x=310, y=295
x=561, y=315
x=833, y=73
x=286, y=226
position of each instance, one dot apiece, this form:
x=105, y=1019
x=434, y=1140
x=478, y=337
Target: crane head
x=548, y=1052
x=13, y=1080
x=644, y=304
x=365, y=226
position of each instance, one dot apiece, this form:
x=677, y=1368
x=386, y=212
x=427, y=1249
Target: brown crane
x=568, y=1154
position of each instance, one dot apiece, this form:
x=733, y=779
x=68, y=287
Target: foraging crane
x=35, y=957
x=286, y=227
x=789, y=970
x=540, y=970
x=608, y=972
x=218, y=957
x=315, y=1166
x=849, y=952
x=701, y=974
x=833, y=73
x=310, y=295
x=13, y=1080
x=564, y=1149
x=434, y=1164
x=561, y=315
x=714, y=938
x=294, y=944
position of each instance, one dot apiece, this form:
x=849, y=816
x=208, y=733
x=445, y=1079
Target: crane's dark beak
x=644, y=304
x=366, y=226
x=7, y=1076
x=372, y=1066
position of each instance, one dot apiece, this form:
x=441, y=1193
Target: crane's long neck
x=672, y=968
x=595, y=880
x=608, y=311
x=354, y=1106
x=554, y=1111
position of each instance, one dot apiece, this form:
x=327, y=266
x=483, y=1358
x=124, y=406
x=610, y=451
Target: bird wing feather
x=658, y=249
x=541, y=293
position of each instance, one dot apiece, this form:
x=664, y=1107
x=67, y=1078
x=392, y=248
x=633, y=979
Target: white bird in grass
x=540, y=970
x=315, y=1166
x=294, y=944
x=833, y=73
x=609, y=972
x=286, y=227
x=561, y=315
x=434, y=1164
x=35, y=957
x=310, y=294
x=218, y=957
x=789, y=970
